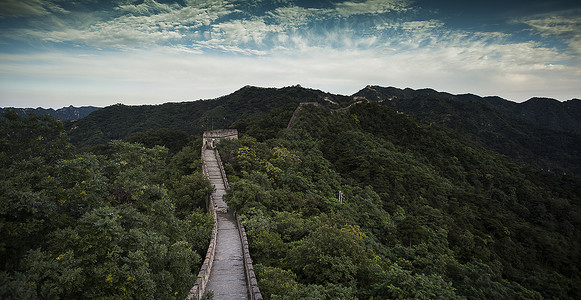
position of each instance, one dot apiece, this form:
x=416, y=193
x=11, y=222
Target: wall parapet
x=210, y=138
x=296, y=112
x=199, y=288
x=222, y=171
x=221, y=133
x=251, y=282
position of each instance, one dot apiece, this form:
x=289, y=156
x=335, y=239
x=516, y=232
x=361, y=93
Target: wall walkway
x=227, y=270
x=227, y=277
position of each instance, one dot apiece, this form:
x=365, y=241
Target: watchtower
x=210, y=138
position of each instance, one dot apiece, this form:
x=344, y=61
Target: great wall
x=227, y=270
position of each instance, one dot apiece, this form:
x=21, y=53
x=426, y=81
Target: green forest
x=359, y=203
x=425, y=214
x=128, y=223
x=544, y=133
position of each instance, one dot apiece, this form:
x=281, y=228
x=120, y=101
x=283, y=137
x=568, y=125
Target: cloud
x=148, y=7
x=349, y=8
x=205, y=49
x=198, y=13
x=565, y=28
x=421, y=25
x=295, y=16
x=123, y=33
x=205, y=24
x=143, y=25
x=243, y=31
x=18, y=8
x=204, y=46
x=556, y=25
x=516, y=71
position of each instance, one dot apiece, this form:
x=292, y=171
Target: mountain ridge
x=542, y=132
x=64, y=113
x=484, y=207
x=193, y=117
x=529, y=110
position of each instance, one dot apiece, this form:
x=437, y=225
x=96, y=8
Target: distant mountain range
x=542, y=132
x=543, y=112
x=194, y=117
x=65, y=113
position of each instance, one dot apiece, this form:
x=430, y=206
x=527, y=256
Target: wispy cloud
x=176, y=73
x=17, y=8
x=566, y=28
x=296, y=16
x=148, y=7
x=143, y=25
x=349, y=8
x=243, y=31
x=125, y=32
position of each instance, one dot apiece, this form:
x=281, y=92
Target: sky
x=56, y=53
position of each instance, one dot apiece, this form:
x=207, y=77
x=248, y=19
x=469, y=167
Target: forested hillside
x=542, y=132
x=425, y=213
x=73, y=225
x=190, y=118
x=65, y=113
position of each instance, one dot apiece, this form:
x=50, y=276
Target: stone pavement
x=227, y=278
x=216, y=180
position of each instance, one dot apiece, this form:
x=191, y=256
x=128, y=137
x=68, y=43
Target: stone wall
x=251, y=282
x=296, y=112
x=199, y=288
x=197, y=291
x=211, y=138
x=222, y=171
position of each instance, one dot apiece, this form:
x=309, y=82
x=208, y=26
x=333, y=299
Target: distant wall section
x=211, y=138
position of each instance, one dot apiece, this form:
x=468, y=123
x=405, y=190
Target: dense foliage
x=128, y=224
x=121, y=121
x=424, y=213
x=357, y=203
x=542, y=132
x=65, y=113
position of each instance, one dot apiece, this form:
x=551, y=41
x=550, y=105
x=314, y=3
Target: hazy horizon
x=214, y=98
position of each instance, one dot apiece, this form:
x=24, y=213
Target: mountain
x=121, y=121
x=368, y=202
x=65, y=113
x=543, y=132
x=543, y=112
x=550, y=113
